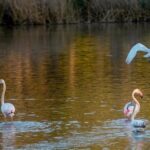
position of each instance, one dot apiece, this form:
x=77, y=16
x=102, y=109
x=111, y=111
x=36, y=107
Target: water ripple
x=100, y=135
x=27, y=126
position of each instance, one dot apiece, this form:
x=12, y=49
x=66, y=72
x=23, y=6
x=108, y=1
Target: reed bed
x=72, y=11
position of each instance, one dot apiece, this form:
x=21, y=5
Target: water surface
x=69, y=85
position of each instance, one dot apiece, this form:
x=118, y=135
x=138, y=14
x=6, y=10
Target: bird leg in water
x=5, y=120
x=11, y=118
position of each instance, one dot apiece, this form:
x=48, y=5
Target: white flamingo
x=7, y=109
x=137, y=48
x=132, y=108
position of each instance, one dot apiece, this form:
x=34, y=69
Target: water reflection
x=99, y=135
x=137, y=141
x=74, y=79
x=8, y=136
x=10, y=131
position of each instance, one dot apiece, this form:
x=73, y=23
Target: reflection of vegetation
x=72, y=11
x=85, y=56
x=74, y=68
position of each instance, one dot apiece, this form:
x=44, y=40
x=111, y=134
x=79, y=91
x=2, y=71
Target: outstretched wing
x=137, y=47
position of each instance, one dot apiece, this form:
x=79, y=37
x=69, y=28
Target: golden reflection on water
x=73, y=73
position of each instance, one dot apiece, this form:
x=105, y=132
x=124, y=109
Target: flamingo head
x=2, y=81
x=11, y=114
x=137, y=92
x=11, y=111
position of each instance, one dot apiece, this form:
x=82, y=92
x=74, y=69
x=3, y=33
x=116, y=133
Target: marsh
x=69, y=85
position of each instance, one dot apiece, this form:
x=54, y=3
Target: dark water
x=69, y=85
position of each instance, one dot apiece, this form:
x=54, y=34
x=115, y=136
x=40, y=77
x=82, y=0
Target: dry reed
x=72, y=11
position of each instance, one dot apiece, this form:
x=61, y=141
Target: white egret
x=137, y=48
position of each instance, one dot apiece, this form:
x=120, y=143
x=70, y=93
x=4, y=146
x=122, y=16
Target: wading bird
x=137, y=48
x=132, y=108
x=7, y=109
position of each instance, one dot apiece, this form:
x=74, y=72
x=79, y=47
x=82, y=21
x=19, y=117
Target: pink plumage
x=128, y=109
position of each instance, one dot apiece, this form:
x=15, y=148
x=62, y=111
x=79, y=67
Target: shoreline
x=62, y=12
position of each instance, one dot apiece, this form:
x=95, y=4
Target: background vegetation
x=72, y=11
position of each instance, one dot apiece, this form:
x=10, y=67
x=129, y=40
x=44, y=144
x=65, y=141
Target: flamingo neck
x=136, y=108
x=3, y=93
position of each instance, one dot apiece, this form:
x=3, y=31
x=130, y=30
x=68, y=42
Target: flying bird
x=137, y=48
x=7, y=109
x=132, y=108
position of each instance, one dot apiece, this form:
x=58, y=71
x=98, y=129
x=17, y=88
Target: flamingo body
x=128, y=109
x=137, y=48
x=132, y=108
x=7, y=109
